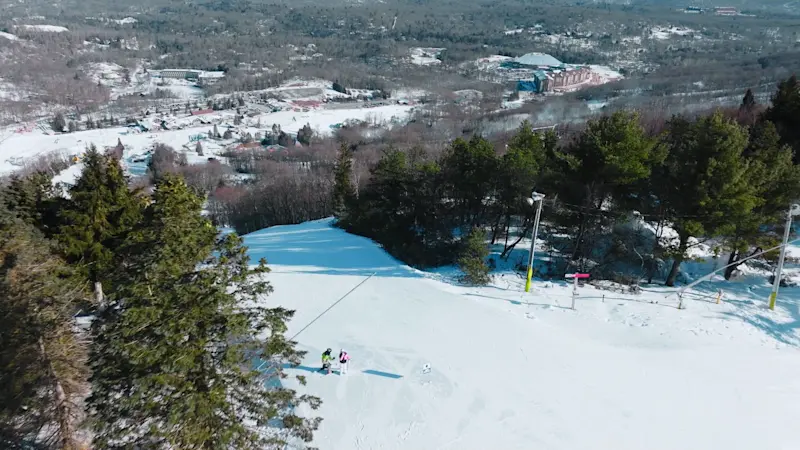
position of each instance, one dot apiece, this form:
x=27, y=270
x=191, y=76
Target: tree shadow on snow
x=319, y=248
x=750, y=303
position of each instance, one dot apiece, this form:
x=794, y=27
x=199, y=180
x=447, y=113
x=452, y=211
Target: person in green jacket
x=327, y=359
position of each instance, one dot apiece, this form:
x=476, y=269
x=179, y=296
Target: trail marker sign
x=575, y=277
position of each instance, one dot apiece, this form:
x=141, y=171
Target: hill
x=516, y=371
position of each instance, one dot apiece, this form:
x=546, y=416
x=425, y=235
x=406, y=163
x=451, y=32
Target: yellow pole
x=719, y=296
x=528, y=281
x=772, y=298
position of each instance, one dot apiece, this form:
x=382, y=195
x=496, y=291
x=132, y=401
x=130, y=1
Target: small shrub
x=472, y=260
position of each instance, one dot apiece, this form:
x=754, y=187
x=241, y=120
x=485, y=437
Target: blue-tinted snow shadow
x=382, y=374
x=750, y=305
x=319, y=370
x=318, y=247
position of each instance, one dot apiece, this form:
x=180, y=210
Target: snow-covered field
x=511, y=370
x=8, y=36
x=46, y=28
x=18, y=143
x=425, y=56
x=663, y=33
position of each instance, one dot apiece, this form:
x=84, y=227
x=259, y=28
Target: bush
x=472, y=260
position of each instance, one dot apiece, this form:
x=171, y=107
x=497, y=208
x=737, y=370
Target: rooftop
x=537, y=59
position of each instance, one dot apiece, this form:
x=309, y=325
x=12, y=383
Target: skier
x=343, y=360
x=327, y=358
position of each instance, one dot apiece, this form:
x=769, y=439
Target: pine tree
x=305, y=134
x=472, y=260
x=174, y=355
x=338, y=87
x=199, y=148
x=519, y=171
x=343, y=189
x=705, y=187
x=100, y=211
x=775, y=181
x=34, y=200
x=785, y=113
x=748, y=102
x=216, y=132
x=469, y=170
x=43, y=373
x=605, y=163
x=59, y=123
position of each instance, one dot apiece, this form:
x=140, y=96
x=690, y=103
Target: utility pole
x=535, y=197
x=793, y=211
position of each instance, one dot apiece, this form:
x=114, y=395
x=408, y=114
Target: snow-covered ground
x=425, y=56
x=18, y=143
x=511, y=370
x=46, y=28
x=606, y=73
x=8, y=36
x=662, y=33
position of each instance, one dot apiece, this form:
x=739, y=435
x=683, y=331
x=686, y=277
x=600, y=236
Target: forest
x=723, y=177
x=170, y=322
x=261, y=44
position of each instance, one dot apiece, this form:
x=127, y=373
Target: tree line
x=176, y=321
x=725, y=177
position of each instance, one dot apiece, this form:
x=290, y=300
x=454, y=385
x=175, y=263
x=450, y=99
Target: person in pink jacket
x=344, y=358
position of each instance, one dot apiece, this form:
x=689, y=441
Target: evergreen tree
x=216, y=132
x=519, y=172
x=472, y=260
x=33, y=200
x=775, y=181
x=284, y=139
x=785, y=113
x=173, y=355
x=469, y=171
x=606, y=161
x=705, y=187
x=228, y=134
x=100, y=211
x=43, y=373
x=199, y=148
x=401, y=207
x=343, y=190
x=748, y=102
x=59, y=123
x=305, y=134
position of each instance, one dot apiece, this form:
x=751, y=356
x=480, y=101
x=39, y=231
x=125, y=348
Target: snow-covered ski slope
x=516, y=371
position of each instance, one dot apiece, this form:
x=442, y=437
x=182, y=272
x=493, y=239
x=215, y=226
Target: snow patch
x=663, y=33
x=8, y=36
x=46, y=28
x=425, y=56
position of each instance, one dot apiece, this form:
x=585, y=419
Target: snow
x=605, y=73
x=19, y=143
x=8, y=36
x=46, y=28
x=663, y=33
x=511, y=370
x=69, y=175
x=125, y=21
x=425, y=56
